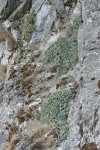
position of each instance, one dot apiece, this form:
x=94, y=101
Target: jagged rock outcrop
x=84, y=120
x=9, y=6
x=18, y=8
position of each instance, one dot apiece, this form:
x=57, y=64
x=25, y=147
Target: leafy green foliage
x=55, y=111
x=27, y=26
x=64, y=51
x=63, y=133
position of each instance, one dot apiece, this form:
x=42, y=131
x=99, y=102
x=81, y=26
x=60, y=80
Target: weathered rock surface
x=9, y=6
x=28, y=81
x=84, y=120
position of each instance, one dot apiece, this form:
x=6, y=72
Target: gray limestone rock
x=36, y=5
x=41, y=17
x=13, y=8
x=21, y=10
x=32, y=82
x=7, y=7
x=84, y=113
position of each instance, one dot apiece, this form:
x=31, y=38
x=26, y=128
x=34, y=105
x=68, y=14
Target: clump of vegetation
x=18, y=57
x=64, y=51
x=13, y=136
x=55, y=111
x=72, y=29
x=34, y=55
x=25, y=115
x=43, y=143
x=49, y=141
x=27, y=26
x=38, y=131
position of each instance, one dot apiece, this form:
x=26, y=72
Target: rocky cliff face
x=40, y=42
x=86, y=126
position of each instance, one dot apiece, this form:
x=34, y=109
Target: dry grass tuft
x=13, y=136
x=89, y=146
x=49, y=141
x=28, y=114
x=3, y=71
x=20, y=118
x=38, y=131
x=5, y=34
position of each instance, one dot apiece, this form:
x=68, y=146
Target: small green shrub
x=18, y=57
x=55, y=111
x=64, y=51
x=63, y=133
x=27, y=26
